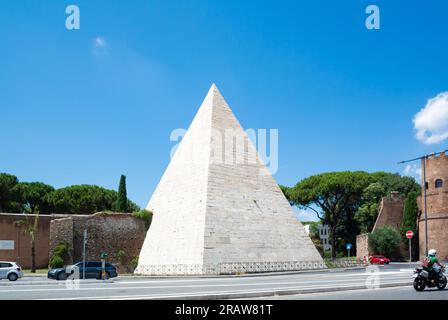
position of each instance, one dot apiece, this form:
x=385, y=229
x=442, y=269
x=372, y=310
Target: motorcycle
x=423, y=279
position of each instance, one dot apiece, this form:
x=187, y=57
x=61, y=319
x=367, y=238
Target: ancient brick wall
x=391, y=212
x=437, y=206
x=108, y=233
x=61, y=231
x=9, y=230
x=362, y=246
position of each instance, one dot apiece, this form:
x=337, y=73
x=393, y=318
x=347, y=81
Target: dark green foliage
x=347, y=201
x=410, y=214
x=85, y=199
x=33, y=196
x=133, y=264
x=60, y=255
x=56, y=262
x=145, y=215
x=385, y=241
x=395, y=182
x=338, y=196
x=122, y=201
x=367, y=213
x=410, y=221
x=8, y=194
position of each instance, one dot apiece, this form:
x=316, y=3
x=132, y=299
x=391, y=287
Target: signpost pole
x=409, y=235
x=84, y=255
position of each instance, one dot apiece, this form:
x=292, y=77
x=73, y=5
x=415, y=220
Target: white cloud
x=413, y=171
x=431, y=122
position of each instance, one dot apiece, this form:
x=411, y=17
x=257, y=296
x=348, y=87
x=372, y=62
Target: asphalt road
x=396, y=293
x=206, y=287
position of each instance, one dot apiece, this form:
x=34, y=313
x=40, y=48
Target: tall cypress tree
x=122, y=201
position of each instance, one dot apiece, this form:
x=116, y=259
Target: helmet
x=432, y=252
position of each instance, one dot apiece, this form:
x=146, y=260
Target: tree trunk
x=33, y=242
x=33, y=255
x=333, y=242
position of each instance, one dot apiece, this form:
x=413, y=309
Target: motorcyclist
x=431, y=261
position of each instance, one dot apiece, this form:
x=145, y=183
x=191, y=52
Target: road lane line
x=116, y=287
x=206, y=293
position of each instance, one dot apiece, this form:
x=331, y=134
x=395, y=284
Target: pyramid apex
x=214, y=89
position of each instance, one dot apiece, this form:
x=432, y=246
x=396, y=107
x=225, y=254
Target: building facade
x=436, y=184
x=324, y=236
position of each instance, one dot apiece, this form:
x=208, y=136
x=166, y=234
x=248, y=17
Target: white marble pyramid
x=217, y=208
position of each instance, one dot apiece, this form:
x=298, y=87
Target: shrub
x=133, y=264
x=121, y=256
x=145, y=215
x=385, y=241
x=60, y=255
x=56, y=262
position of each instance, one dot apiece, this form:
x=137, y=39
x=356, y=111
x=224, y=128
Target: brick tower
x=437, y=206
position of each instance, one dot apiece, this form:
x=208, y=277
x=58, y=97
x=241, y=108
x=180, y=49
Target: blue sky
x=85, y=106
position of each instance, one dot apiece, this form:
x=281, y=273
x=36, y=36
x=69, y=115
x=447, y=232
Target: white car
x=10, y=270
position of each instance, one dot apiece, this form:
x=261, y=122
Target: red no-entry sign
x=409, y=234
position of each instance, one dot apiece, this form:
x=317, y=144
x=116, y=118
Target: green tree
x=410, y=221
x=33, y=197
x=122, y=201
x=410, y=214
x=85, y=199
x=383, y=184
x=395, y=182
x=338, y=196
x=368, y=211
x=8, y=193
x=385, y=241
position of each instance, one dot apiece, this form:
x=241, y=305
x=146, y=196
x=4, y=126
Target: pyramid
x=218, y=210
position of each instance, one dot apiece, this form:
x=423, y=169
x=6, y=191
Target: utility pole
x=423, y=161
x=84, y=255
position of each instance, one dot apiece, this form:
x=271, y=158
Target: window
x=426, y=185
x=5, y=265
x=439, y=183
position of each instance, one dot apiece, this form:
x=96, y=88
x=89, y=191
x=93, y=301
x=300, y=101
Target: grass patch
x=38, y=271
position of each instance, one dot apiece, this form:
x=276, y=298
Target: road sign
x=409, y=234
x=348, y=246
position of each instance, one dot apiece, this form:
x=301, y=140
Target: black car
x=93, y=271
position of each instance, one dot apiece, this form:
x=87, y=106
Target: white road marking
x=192, y=294
x=242, y=281
x=188, y=286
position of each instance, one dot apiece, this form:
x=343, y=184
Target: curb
x=57, y=282
x=266, y=294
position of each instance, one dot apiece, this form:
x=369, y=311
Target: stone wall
x=106, y=233
x=362, y=246
x=61, y=231
x=391, y=212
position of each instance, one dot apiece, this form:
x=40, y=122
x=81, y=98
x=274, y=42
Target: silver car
x=10, y=270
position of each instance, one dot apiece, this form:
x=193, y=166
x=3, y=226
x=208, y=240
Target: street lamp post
x=424, y=200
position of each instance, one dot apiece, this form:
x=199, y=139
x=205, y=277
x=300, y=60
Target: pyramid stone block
x=218, y=210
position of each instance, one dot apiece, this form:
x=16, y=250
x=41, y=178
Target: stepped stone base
x=228, y=268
